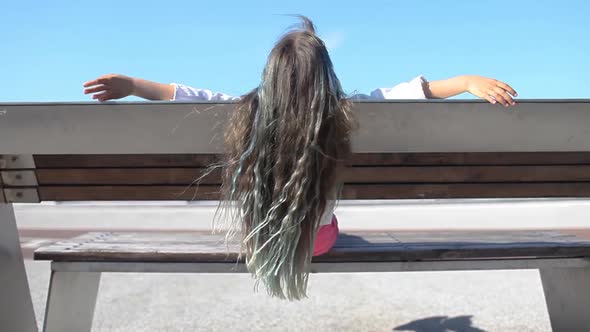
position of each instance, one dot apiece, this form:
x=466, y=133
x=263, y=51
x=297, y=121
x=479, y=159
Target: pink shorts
x=326, y=237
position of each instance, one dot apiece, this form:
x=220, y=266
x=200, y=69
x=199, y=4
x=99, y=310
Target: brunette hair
x=284, y=145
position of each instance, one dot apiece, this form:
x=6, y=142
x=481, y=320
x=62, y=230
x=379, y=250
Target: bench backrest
x=403, y=150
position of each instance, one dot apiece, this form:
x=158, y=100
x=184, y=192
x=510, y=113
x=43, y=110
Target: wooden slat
x=196, y=247
x=128, y=176
x=360, y=159
x=123, y=193
x=350, y=191
x=463, y=190
x=423, y=174
x=467, y=174
x=471, y=158
x=126, y=160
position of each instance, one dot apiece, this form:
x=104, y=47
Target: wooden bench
x=404, y=150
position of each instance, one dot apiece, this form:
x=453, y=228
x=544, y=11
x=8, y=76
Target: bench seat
x=383, y=246
x=561, y=256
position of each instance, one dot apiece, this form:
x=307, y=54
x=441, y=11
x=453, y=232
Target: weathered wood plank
x=123, y=193
x=471, y=158
x=128, y=176
x=358, y=159
x=176, y=238
x=421, y=237
x=353, y=246
x=401, y=174
x=466, y=174
x=126, y=160
x=465, y=190
x=350, y=191
x=348, y=238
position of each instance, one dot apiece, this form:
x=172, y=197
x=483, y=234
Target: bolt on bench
x=404, y=150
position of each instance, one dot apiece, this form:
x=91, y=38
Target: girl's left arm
x=487, y=88
x=490, y=89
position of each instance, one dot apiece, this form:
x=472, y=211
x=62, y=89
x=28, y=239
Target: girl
x=285, y=143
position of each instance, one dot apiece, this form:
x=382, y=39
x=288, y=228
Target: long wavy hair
x=284, y=144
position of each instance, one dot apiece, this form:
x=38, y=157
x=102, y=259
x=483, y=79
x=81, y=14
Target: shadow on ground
x=440, y=324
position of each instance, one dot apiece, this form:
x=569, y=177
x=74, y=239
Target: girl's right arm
x=116, y=86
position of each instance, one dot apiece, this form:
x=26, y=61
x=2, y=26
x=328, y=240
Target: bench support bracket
x=567, y=294
x=71, y=301
x=16, y=306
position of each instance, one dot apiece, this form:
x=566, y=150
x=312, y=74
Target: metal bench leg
x=567, y=293
x=71, y=301
x=16, y=307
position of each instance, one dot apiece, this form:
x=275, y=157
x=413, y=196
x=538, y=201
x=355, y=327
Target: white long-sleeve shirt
x=413, y=89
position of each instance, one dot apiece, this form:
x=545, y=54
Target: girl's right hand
x=111, y=86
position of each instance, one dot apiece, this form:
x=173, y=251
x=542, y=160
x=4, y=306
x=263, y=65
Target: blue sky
x=49, y=48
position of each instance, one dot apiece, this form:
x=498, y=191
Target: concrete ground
x=500, y=301
x=471, y=301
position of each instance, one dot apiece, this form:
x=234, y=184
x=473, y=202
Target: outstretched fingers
x=95, y=89
x=103, y=96
x=501, y=96
x=100, y=80
x=507, y=88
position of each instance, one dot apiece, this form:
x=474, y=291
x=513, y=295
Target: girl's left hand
x=490, y=89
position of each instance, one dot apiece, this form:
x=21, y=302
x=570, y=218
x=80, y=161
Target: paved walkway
x=498, y=301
